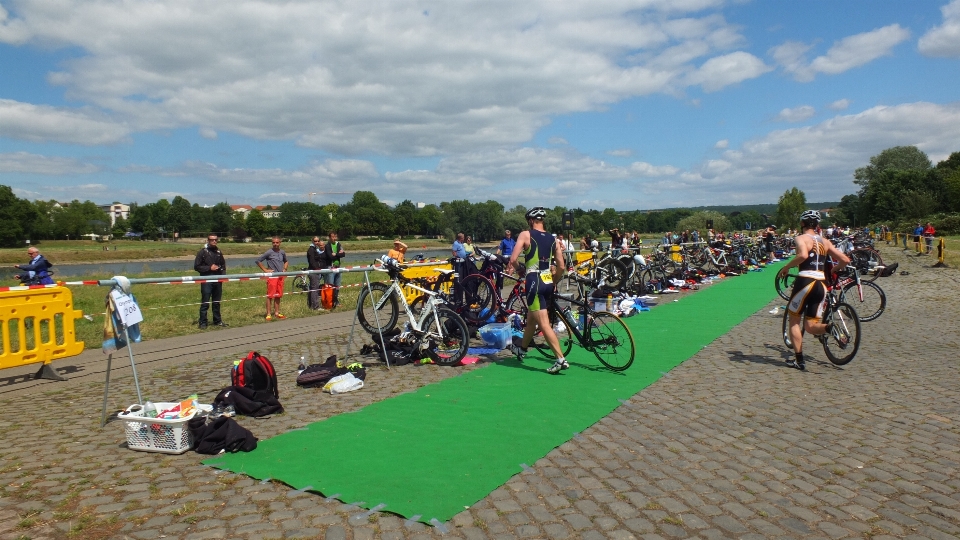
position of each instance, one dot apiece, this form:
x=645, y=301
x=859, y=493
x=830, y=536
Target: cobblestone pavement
x=731, y=444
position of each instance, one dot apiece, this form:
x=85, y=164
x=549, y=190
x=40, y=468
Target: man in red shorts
x=276, y=260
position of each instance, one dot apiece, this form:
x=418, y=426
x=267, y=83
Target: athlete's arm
x=523, y=240
x=802, y=247
x=839, y=256
x=559, y=268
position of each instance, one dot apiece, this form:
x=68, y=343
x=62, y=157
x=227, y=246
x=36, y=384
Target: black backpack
x=255, y=372
x=319, y=374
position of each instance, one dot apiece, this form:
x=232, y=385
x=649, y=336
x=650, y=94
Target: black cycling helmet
x=810, y=216
x=537, y=212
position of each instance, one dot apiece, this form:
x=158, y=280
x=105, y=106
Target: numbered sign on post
x=127, y=308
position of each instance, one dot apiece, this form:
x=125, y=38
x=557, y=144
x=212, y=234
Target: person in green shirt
x=334, y=252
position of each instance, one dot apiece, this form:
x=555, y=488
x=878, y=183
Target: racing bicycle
x=436, y=329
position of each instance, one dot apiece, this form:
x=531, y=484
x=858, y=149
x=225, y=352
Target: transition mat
x=429, y=454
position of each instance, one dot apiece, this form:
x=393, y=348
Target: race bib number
x=127, y=308
x=546, y=277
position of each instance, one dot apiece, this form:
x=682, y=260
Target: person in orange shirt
x=398, y=251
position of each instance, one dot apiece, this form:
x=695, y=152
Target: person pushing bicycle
x=809, y=290
x=543, y=264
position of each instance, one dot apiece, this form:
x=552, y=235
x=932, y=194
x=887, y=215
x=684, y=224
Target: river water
x=297, y=261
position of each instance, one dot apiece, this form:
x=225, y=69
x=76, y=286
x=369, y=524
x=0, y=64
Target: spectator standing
x=35, y=271
x=276, y=260
x=334, y=251
x=695, y=236
x=768, y=243
x=458, y=249
x=399, y=251
x=917, y=234
x=468, y=245
x=315, y=261
x=507, y=244
x=210, y=262
x=928, y=233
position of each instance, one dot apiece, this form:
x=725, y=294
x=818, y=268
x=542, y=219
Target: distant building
x=242, y=209
x=268, y=211
x=116, y=211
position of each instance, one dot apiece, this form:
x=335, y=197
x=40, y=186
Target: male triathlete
x=543, y=264
x=809, y=289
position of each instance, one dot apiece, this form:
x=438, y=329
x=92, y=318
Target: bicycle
x=437, y=329
x=302, y=282
x=604, y=334
x=842, y=342
x=866, y=296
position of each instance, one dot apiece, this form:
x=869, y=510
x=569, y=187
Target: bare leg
x=541, y=319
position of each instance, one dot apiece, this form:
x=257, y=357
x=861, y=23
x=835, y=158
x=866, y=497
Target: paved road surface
x=731, y=444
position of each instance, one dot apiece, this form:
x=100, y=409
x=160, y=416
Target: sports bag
x=326, y=296
x=255, y=372
x=319, y=374
x=248, y=402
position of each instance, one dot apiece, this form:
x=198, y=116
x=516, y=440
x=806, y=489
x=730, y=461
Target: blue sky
x=625, y=104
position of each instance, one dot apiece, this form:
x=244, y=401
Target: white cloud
x=732, y=68
x=40, y=123
x=840, y=105
x=722, y=143
x=557, y=141
x=359, y=78
x=25, y=162
x=796, y=114
x=943, y=40
x=846, y=54
x=819, y=159
x=620, y=152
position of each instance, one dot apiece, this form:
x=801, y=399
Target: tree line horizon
x=899, y=185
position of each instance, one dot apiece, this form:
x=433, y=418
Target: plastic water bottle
x=609, y=303
x=582, y=320
x=568, y=315
x=149, y=410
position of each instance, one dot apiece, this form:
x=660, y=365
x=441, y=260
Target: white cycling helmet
x=810, y=216
x=537, y=212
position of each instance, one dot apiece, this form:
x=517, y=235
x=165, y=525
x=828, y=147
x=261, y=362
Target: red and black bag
x=255, y=372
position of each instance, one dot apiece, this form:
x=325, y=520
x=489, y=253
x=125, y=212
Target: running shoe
x=516, y=349
x=279, y=316
x=792, y=363
x=269, y=318
x=557, y=366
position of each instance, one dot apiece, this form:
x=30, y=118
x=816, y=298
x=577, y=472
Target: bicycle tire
x=845, y=317
x=565, y=337
x=301, y=283
x=609, y=339
x=478, y=297
x=873, y=303
x=518, y=304
x=367, y=313
x=628, y=264
x=784, y=285
x=611, y=272
x=446, y=336
x=785, y=330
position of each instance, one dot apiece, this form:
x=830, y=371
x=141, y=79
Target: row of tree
x=900, y=184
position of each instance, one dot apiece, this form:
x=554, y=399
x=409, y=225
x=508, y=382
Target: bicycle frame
x=416, y=324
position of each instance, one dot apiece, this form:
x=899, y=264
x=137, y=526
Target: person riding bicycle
x=810, y=289
x=543, y=264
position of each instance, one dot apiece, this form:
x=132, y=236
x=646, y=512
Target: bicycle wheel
x=479, y=297
x=301, y=282
x=377, y=308
x=871, y=305
x=446, y=336
x=564, y=336
x=847, y=329
x=609, y=339
x=611, y=273
x=517, y=304
x=628, y=263
x=784, y=285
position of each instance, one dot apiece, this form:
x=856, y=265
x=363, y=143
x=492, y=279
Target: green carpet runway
x=431, y=453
